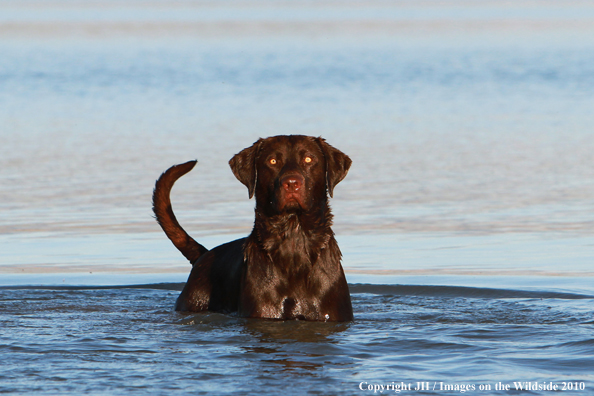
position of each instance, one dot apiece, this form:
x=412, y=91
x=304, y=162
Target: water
x=466, y=222
x=128, y=340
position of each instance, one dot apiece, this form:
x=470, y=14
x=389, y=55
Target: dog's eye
x=308, y=160
x=272, y=161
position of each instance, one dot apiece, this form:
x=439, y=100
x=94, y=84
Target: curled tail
x=164, y=213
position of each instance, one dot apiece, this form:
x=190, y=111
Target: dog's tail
x=164, y=213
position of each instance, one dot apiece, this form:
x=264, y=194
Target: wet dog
x=289, y=266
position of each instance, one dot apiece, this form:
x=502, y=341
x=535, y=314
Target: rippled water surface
x=466, y=221
x=128, y=340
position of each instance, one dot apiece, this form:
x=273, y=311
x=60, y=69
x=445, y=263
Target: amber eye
x=308, y=160
x=272, y=161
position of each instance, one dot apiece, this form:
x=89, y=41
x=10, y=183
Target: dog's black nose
x=292, y=183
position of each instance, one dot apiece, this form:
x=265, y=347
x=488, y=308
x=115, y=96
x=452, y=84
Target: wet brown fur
x=289, y=266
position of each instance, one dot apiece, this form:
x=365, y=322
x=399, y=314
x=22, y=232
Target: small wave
x=152, y=286
x=361, y=288
x=461, y=291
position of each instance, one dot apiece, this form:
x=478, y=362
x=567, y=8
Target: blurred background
x=470, y=125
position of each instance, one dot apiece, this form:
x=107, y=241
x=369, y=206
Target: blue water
x=466, y=221
x=128, y=340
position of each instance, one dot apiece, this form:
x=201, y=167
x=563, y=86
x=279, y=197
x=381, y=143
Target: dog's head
x=290, y=173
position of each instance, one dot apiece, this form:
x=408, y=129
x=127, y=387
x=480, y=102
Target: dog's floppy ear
x=243, y=165
x=337, y=164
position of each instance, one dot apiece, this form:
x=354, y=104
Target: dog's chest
x=292, y=248
x=293, y=252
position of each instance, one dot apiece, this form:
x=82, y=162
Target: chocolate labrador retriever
x=289, y=266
